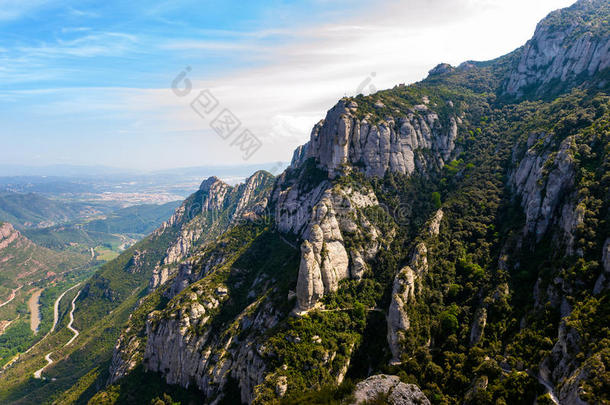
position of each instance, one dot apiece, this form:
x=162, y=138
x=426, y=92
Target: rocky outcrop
x=416, y=140
x=564, y=47
x=403, y=292
x=186, y=350
x=478, y=326
x=378, y=145
x=441, y=69
x=125, y=357
x=193, y=269
x=209, y=212
x=209, y=199
x=542, y=179
x=390, y=390
x=398, y=318
x=603, y=280
x=253, y=197
x=434, y=226
x=174, y=349
x=294, y=204
x=560, y=365
x=324, y=258
x=8, y=234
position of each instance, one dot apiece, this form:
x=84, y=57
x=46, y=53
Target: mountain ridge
x=321, y=213
x=452, y=233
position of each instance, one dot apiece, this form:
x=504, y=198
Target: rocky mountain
x=22, y=261
x=568, y=46
x=442, y=242
x=30, y=276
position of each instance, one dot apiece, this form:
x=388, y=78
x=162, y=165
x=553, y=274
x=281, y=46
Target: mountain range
x=442, y=242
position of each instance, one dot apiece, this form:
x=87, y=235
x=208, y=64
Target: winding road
x=12, y=296
x=38, y=373
x=72, y=320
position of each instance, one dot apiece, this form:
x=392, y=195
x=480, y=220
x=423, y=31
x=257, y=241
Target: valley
x=38, y=373
x=54, y=245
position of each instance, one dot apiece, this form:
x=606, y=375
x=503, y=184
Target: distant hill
x=22, y=261
x=138, y=219
x=60, y=237
x=34, y=210
x=112, y=230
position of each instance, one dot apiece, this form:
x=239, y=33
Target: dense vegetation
x=485, y=315
x=482, y=220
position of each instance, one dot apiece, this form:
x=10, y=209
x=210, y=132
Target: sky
x=113, y=83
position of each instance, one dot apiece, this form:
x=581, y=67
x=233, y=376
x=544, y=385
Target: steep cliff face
x=214, y=209
x=208, y=213
x=543, y=178
x=324, y=258
x=378, y=143
x=194, y=339
x=602, y=282
x=349, y=138
x=567, y=45
x=8, y=235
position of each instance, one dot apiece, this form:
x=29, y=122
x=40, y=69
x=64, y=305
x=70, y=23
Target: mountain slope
x=30, y=279
x=453, y=233
x=107, y=300
x=475, y=219
x=34, y=210
x=23, y=262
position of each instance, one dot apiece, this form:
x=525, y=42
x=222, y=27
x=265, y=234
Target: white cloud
x=281, y=100
x=298, y=79
x=82, y=13
x=94, y=44
x=206, y=45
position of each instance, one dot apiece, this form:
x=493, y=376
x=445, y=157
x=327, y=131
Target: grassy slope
x=104, y=305
x=31, y=209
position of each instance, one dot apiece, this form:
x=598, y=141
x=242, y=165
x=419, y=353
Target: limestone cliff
x=404, y=290
x=567, y=45
x=324, y=258
x=377, y=143
x=208, y=213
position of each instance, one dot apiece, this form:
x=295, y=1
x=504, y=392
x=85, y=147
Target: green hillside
x=139, y=219
x=34, y=210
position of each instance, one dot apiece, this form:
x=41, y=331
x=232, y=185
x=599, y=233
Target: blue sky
x=87, y=82
x=141, y=43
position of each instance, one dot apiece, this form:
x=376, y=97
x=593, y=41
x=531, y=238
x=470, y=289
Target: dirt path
x=12, y=296
x=4, y=325
x=38, y=373
x=72, y=320
x=34, y=306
